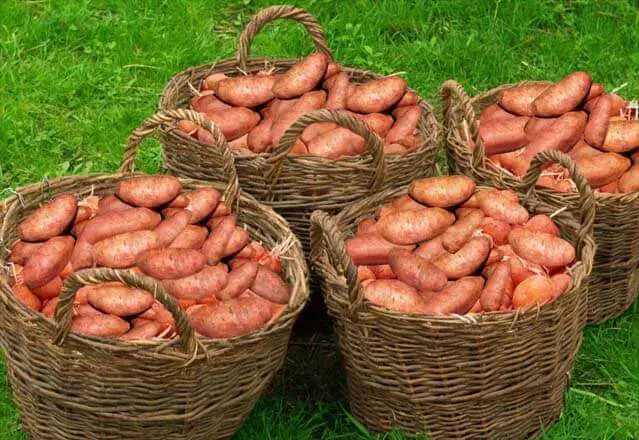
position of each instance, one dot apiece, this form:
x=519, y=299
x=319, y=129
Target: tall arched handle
x=169, y=118
x=272, y=13
x=64, y=310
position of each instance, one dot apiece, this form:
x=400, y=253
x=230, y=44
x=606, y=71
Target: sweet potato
x=259, y=138
x=192, y=237
x=462, y=230
x=302, y=77
x=231, y=318
x=379, y=123
x=158, y=313
x=411, y=227
x=49, y=307
x=442, y=191
x=49, y=290
x=240, y=144
x=143, y=329
x=534, y=290
x=603, y=168
x=22, y=250
x=542, y=223
x=122, y=250
x=404, y=126
x=415, y=271
x=317, y=129
x=629, y=181
x=171, y=263
x=621, y=136
x=395, y=149
x=238, y=240
x=208, y=281
x=337, y=143
x=206, y=136
x=377, y=95
x=83, y=214
x=246, y=91
x=108, y=326
x=564, y=96
x=597, y=125
x=118, y=222
x=403, y=203
x=409, y=98
x=518, y=100
x=366, y=226
x=365, y=273
x=537, y=126
x=148, y=191
x=48, y=262
x=222, y=210
x=432, y=249
x=618, y=104
x=500, y=207
x=204, y=103
x=503, y=136
x=234, y=122
x=541, y=248
x=202, y=203
x=120, y=300
x=394, y=295
x=494, y=256
x=459, y=297
x=111, y=203
x=308, y=102
x=49, y=220
x=215, y=245
x=466, y=260
x=209, y=82
x=239, y=279
x=498, y=230
x=582, y=149
x=596, y=89
x=494, y=112
x=269, y=285
x=338, y=93
x=370, y=249
x=561, y=135
x=332, y=69
x=383, y=272
x=27, y=297
x=495, y=288
x=562, y=282
x=187, y=127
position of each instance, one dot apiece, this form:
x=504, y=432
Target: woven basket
x=293, y=186
x=70, y=386
x=499, y=375
x=614, y=282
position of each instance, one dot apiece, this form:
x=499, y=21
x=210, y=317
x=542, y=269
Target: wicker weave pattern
x=69, y=386
x=293, y=186
x=493, y=376
x=614, y=280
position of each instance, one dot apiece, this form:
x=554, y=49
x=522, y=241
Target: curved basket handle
x=374, y=146
x=584, y=243
x=273, y=13
x=64, y=310
x=324, y=228
x=169, y=117
x=450, y=91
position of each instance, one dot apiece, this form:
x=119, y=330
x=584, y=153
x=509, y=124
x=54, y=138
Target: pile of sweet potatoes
x=599, y=130
x=446, y=248
x=254, y=111
x=228, y=284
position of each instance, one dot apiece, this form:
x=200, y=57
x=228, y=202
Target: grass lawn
x=77, y=76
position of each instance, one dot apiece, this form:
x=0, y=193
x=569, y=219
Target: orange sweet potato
x=415, y=271
x=403, y=203
x=159, y=313
x=498, y=230
x=286, y=117
x=302, y=77
x=238, y=240
x=49, y=307
x=596, y=89
x=215, y=245
x=269, y=285
x=234, y=122
x=171, y=263
x=231, y=318
x=332, y=69
x=604, y=168
x=432, y=249
x=542, y=223
x=518, y=100
x=48, y=262
x=51, y=219
x=202, y=203
x=621, y=136
x=316, y=129
x=494, y=112
x=120, y=300
x=500, y=207
x=618, y=104
x=259, y=138
x=208, y=281
x=27, y=297
x=148, y=191
x=404, y=126
x=122, y=250
x=246, y=90
x=394, y=295
x=22, y=250
x=204, y=103
x=411, y=227
x=534, y=290
x=562, y=282
x=378, y=122
x=409, y=98
x=209, y=82
x=537, y=126
x=503, y=136
x=108, y=326
x=365, y=273
x=459, y=297
x=629, y=181
x=370, y=249
x=49, y=290
x=582, y=149
x=466, y=260
x=239, y=280
x=382, y=272
x=561, y=135
x=337, y=143
x=442, y=191
x=462, y=230
x=564, y=96
x=496, y=286
x=338, y=93
x=143, y=329
x=377, y=95
x=541, y=248
x=598, y=121
x=111, y=203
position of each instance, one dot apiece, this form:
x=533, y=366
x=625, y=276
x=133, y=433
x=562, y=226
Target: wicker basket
x=614, y=282
x=498, y=375
x=70, y=386
x=293, y=186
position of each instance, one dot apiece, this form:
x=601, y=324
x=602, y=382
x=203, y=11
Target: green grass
x=77, y=76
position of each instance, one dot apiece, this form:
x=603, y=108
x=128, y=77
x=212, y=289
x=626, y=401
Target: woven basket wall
x=293, y=186
x=614, y=282
x=498, y=375
x=70, y=386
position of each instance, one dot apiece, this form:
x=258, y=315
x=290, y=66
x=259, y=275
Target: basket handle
x=586, y=202
x=324, y=228
x=167, y=117
x=373, y=146
x=273, y=13
x=451, y=90
x=64, y=310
